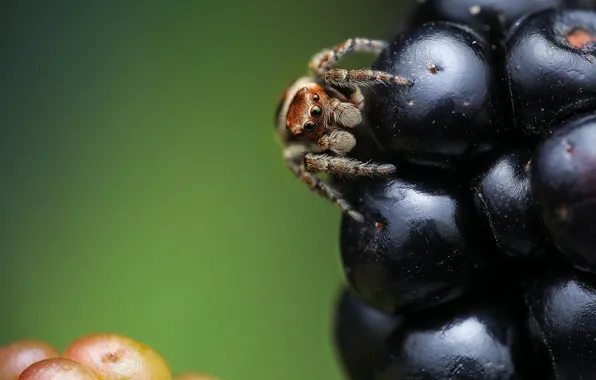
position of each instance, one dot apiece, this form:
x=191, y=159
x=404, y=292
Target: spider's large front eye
x=309, y=127
x=316, y=111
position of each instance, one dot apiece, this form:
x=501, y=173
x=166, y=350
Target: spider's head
x=307, y=112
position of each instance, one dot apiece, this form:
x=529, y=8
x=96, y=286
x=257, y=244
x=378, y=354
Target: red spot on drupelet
x=579, y=38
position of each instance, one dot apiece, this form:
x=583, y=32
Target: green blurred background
x=142, y=187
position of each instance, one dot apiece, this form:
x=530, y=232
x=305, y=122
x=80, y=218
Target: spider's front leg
x=321, y=65
x=294, y=157
x=342, y=142
x=324, y=60
x=344, y=166
x=362, y=78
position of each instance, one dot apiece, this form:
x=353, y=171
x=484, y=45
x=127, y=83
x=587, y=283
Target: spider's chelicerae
x=314, y=119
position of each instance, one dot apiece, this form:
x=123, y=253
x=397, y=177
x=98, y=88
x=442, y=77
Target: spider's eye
x=316, y=111
x=309, y=127
x=315, y=97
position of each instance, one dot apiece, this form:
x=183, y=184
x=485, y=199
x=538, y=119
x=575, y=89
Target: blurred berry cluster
x=480, y=261
x=92, y=357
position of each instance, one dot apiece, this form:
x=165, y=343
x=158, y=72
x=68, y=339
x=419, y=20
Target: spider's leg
x=321, y=65
x=324, y=60
x=362, y=78
x=344, y=166
x=294, y=156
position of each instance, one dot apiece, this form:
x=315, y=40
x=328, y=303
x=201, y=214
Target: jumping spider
x=313, y=118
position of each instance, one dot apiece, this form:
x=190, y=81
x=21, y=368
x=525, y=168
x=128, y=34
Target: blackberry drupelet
x=359, y=334
x=451, y=111
x=491, y=18
x=476, y=338
x=560, y=314
x=551, y=69
x=419, y=247
x=564, y=188
x=503, y=199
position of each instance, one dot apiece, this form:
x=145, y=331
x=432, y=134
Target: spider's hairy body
x=314, y=118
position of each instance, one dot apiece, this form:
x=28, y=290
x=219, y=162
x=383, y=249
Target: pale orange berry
x=117, y=357
x=57, y=369
x=17, y=356
x=194, y=376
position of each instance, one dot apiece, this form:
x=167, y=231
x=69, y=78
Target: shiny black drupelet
x=451, y=111
x=561, y=309
x=491, y=18
x=503, y=199
x=564, y=188
x=360, y=334
x=478, y=338
x=551, y=69
x=418, y=247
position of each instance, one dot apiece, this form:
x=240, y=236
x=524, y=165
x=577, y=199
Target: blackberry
x=476, y=258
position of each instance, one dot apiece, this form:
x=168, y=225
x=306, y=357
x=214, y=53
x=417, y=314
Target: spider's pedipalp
x=345, y=114
x=338, y=141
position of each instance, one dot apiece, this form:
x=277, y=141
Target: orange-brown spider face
x=307, y=112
